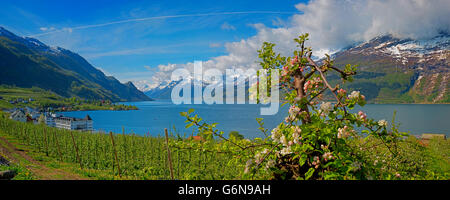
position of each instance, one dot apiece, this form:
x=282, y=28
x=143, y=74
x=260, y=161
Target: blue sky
x=148, y=51
x=133, y=50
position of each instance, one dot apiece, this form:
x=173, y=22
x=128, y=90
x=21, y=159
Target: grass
x=22, y=173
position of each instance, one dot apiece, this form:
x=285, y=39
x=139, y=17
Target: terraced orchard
x=138, y=157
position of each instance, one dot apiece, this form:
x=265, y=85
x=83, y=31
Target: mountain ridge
x=27, y=62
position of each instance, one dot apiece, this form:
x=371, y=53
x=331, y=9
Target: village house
x=71, y=123
x=51, y=119
x=18, y=115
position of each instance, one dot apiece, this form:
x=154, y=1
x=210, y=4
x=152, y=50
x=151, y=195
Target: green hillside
x=27, y=63
x=14, y=97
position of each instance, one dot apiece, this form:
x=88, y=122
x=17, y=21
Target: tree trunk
x=299, y=83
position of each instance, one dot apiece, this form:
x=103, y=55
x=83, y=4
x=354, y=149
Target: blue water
x=152, y=117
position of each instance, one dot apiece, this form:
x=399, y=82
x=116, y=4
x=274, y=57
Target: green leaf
x=189, y=125
x=309, y=173
x=190, y=111
x=302, y=159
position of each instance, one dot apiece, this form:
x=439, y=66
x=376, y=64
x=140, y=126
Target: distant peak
x=3, y=28
x=5, y=32
x=36, y=42
x=130, y=84
x=30, y=42
x=383, y=38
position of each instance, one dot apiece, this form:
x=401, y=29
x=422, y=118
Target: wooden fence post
x=115, y=152
x=46, y=141
x=76, y=149
x=57, y=145
x=168, y=154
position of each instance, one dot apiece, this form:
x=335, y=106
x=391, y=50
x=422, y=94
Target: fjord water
x=153, y=116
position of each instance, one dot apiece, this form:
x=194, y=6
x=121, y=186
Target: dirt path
x=38, y=169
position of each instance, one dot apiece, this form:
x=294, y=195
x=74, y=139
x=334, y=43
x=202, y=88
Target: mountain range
x=393, y=70
x=390, y=70
x=27, y=62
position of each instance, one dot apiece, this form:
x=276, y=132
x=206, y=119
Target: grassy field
x=45, y=99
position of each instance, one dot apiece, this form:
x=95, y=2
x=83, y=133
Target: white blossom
x=270, y=163
x=362, y=116
x=248, y=165
x=260, y=156
x=276, y=135
x=383, y=123
x=290, y=118
x=294, y=110
x=354, y=95
x=356, y=166
x=284, y=140
x=345, y=132
x=296, y=134
x=285, y=151
x=326, y=107
x=327, y=156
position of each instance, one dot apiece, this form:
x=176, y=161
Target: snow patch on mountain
x=31, y=42
x=406, y=51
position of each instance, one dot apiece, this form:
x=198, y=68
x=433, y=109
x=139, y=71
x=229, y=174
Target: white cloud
x=68, y=30
x=47, y=28
x=227, y=26
x=166, y=68
x=278, y=22
x=148, y=68
x=215, y=45
x=333, y=25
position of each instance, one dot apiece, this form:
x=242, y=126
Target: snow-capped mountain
x=164, y=90
x=31, y=42
x=391, y=70
x=394, y=70
x=144, y=85
x=405, y=52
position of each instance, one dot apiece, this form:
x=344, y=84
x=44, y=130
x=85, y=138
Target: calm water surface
x=152, y=117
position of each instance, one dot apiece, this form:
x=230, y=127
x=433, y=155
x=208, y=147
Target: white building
x=72, y=123
x=18, y=115
x=49, y=120
x=35, y=115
